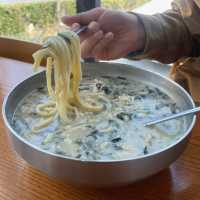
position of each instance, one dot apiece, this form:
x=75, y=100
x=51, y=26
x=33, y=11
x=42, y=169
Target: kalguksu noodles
x=62, y=53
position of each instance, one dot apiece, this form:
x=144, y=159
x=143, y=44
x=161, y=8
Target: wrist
x=141, y=35
x=138, y=35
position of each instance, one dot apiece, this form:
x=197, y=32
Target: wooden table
x=20, y=181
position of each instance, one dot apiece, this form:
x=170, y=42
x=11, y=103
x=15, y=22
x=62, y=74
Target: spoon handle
x=81, y=29
x=174, y=116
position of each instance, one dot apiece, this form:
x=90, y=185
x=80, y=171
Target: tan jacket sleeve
x=171, y=35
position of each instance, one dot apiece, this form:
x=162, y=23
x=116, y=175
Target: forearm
x=167, y=37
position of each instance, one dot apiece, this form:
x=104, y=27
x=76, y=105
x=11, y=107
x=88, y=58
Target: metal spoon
x=174, y=116
x=78, y=31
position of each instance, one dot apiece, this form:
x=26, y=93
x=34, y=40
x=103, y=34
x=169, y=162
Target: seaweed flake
x=145, y=151
x=124, y=116
x=98, y=86
x=107, y=77
x=106, y=90
x=122, y=78
x=117, y=139
x=41, y=89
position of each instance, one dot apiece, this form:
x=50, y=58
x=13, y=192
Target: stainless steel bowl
x=100, y=173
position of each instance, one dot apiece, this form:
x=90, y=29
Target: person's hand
x=110, y=35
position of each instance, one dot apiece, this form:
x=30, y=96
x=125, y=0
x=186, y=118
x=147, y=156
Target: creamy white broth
x=115, y=133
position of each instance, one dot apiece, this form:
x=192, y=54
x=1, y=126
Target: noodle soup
x=115, y=133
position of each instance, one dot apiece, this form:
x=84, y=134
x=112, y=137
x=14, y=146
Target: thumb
x=83, y=18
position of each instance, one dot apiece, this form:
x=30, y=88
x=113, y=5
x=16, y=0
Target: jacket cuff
x=153, y=41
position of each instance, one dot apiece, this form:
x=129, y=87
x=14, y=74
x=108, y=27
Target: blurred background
x=34, y=20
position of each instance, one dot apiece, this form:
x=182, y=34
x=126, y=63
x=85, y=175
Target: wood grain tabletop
x=20, y=181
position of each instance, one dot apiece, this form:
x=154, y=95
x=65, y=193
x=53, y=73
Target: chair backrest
x=17, y=49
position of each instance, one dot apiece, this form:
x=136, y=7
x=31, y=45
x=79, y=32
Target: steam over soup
x=117, y=132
